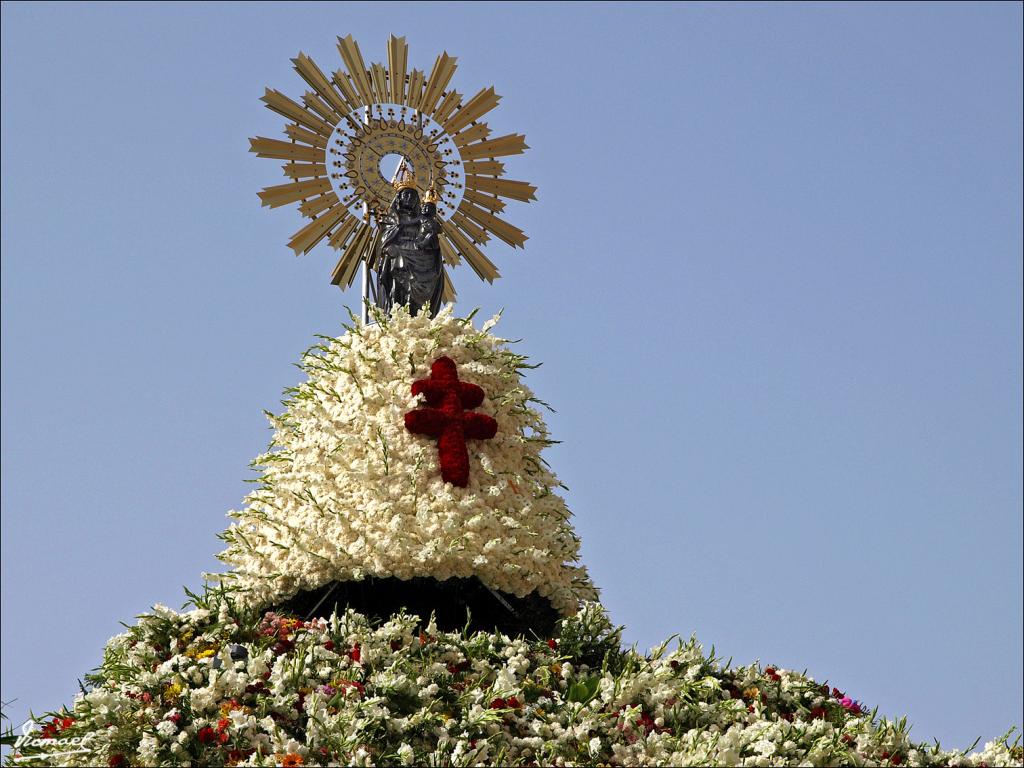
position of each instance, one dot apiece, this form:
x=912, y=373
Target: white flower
x=406, y=754
x=166, y=728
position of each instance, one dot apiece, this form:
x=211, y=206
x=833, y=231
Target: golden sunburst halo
x=350, y=122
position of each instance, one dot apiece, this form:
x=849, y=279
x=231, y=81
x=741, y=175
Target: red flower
x=885, y=755
x=356, y=653
x=66, y=723
x=329, y=645
x=223, y=723
x=552, y=643
x=771, y=674
x=207, y=736
x=513, y=703
x=648, y=722
x=896, y=760
x=819, y=713
x=223, y=737
x=836, y=693
x=282, y=646
x=498, y=703
x=847, y=738
x=355, y=684
x=396, y=644
x=117, y=761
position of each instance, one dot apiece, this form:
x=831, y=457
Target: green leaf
x=584, y=690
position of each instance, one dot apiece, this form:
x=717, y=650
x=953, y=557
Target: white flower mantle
x=347, y=492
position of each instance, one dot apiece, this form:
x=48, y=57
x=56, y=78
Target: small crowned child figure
x=429, y=226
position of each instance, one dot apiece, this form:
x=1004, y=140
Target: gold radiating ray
x=448, y=294
x=512, y=144
x=291, y=193
x=317, y=80
x=516, y=190
x=313, y=206
x=349, y=50
x=345, y=85
x=341, y=235
x=298, y=133
x=345, y=270
x=471, y=228
x=315, y=104
x=304, y=170
x=281, y=104
x=306, y=238
x=474, y=109
x=398, y=53
x=493, y=204
x=485, y=167
x=440, y=76
x=448, y=252
x=284, y=150
x=415, y=94
x=448, y=105
x=478, y=132
x=483, y=266
x=379, y=81
x=510, y=234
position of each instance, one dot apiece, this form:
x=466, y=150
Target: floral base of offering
x=221, y=685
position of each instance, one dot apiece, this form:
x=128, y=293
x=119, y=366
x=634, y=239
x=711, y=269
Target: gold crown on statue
x=430, y=196
x=405, y=180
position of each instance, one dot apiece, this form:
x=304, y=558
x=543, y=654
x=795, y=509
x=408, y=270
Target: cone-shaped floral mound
x=412, y=450
x=225, y=685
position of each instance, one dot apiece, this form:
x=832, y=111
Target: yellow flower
x=202, y=650
x=751, y=693
x=172, y=692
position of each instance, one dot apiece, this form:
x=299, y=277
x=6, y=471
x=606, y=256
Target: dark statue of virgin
x=410, y=255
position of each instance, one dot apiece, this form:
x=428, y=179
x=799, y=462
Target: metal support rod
x=365, y=310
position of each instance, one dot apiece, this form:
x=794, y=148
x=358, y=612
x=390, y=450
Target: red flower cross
x=449, y=418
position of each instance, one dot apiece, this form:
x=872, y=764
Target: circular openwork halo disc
x=359, y=144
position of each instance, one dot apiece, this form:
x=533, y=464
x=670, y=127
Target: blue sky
x=774, y=275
